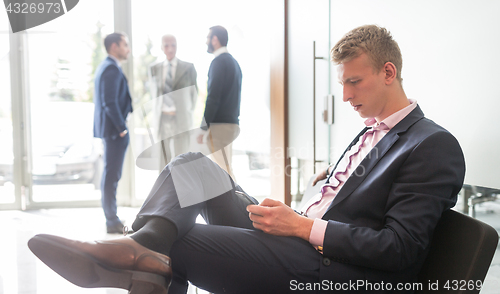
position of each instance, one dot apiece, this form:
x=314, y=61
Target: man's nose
x=347, y=94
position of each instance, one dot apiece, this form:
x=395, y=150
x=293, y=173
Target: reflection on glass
x=248, y=43
x=6, y=143
x=66, y=161
x=64, y=150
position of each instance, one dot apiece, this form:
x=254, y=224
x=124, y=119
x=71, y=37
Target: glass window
x=63, y=55
x=189, y=22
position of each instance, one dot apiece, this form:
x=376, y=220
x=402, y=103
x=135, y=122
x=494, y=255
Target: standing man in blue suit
x=112, y=106
x=222, y=108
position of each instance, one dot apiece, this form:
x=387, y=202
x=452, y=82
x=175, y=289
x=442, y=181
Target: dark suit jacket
x=382, y=220
x=112, y=100
x=224, y=91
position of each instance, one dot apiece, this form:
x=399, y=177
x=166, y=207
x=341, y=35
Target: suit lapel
x=364, y=168
x=158, y=76
x=122, y=73
x=179, y=72
x=126, y=83
x=347, y=149
x=374, y=156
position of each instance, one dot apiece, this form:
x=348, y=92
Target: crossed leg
x=228, y=255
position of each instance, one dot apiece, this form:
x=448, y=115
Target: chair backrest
x=460, y=255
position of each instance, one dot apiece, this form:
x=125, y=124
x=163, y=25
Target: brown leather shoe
x=121, y=263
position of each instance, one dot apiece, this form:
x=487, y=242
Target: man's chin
x=362, y=115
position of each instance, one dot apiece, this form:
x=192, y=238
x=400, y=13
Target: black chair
x=460, y=255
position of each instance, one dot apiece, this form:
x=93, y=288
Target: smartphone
x=244, y=196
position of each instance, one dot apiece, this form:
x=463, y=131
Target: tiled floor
x=21, y=272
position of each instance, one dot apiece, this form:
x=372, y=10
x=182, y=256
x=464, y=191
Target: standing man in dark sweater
x=222, y=108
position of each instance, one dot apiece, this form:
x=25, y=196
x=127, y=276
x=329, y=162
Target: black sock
x=158, y=234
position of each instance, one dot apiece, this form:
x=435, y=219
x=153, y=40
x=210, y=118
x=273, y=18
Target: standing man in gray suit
x=173, y=86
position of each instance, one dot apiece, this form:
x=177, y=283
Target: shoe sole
x=83, y=271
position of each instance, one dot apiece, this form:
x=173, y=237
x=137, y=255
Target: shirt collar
x=393, y=119
x=221, y=50
x=173, y=62
x=115, y=59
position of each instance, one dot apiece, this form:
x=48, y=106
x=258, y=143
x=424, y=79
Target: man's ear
x=113, y=46
x=390, y=72
x=215, y=41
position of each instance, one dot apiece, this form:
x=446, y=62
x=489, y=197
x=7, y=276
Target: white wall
x=451, y=66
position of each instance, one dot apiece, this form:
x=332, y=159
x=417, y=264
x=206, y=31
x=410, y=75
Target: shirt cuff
x=318, y=231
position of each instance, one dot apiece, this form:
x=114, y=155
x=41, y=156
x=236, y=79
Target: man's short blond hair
x=374, y=41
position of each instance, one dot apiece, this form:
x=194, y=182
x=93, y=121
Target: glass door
x=308, y=85
x=7, y=191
